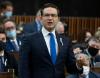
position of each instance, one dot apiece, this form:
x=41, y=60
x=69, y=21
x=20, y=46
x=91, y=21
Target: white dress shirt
x=4, y=61
x=47, y=39
x=15, y=42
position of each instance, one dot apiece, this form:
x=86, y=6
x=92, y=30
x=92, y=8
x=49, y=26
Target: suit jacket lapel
x=5, y=59
x=11, y=45
x=18, y=42
x=92, y=75
x=59, y=43
x=44, y=46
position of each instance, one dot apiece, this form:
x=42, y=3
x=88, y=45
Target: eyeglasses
x=52, y=15
x=3, y=39
x=10, y=28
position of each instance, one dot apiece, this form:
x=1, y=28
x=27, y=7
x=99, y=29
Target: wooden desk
x=6, y=75
x=96, y=69
x=16, y=55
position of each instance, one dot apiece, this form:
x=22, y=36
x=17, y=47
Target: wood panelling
x=76, y=24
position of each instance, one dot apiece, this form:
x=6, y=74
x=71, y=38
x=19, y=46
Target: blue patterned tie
x=15, y=46
x=1, y=64
x=52, y=48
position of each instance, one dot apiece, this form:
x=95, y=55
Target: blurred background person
x=84, y=36
x=97, y=33
x=88, y=35
x=62, y=28
x=13, y=41
x=34, y=26
x=7, y=61
x=6, y=10
x=93, y=50
x=87, y=73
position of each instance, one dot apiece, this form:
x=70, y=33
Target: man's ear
x=40, y=17
x=58, y=18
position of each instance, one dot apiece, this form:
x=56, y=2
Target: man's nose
x=50, y=17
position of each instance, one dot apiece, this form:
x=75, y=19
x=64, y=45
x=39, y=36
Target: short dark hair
x=4, y=4
x=6, y=20
x=49, y=5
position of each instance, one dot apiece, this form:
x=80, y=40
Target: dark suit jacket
x=30, y=28
x=10, y=47
x=91, y=75
x=11, y=62
x=97, y=58
x=35, y=61
x=93, y=59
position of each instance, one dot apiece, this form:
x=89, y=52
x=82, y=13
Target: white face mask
x=11, y=34
x=8, y=14
x=86, y=70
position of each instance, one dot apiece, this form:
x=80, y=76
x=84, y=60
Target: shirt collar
x=2, y=53
x=88, y=53
x=13, y=40
x=46, y=32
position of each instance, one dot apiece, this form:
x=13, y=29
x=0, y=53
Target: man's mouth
x=49, y=23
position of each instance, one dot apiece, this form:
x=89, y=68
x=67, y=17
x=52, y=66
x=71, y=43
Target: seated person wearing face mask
x=13, y=42
x=7, y=61
x=93, y=50
x=87, y=73
x=6, y=10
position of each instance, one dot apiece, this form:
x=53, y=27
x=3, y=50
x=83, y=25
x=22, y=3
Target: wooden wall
x=76, y=24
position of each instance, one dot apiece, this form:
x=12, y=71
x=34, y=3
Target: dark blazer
x=35, y=60
x=11, y=62
x=93, y=60
x=30, y=28
x=10, y=47
x=97, y=58
x=91, y=75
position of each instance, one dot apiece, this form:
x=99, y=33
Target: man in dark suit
x=93, y=50
x=87, y=73
x=7, y=61
x=44, y=54
x=34, y=26
x=13, y=42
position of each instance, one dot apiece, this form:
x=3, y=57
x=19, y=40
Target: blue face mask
x=8, y=14
x=11, y=34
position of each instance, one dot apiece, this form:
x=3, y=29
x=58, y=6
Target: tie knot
x=51, y=34
x=13, y=41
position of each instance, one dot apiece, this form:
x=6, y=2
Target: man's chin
x=50, y=28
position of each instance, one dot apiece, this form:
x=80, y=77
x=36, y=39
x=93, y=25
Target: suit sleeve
x=12, y=63
x=24, y=70
x=70, y=61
